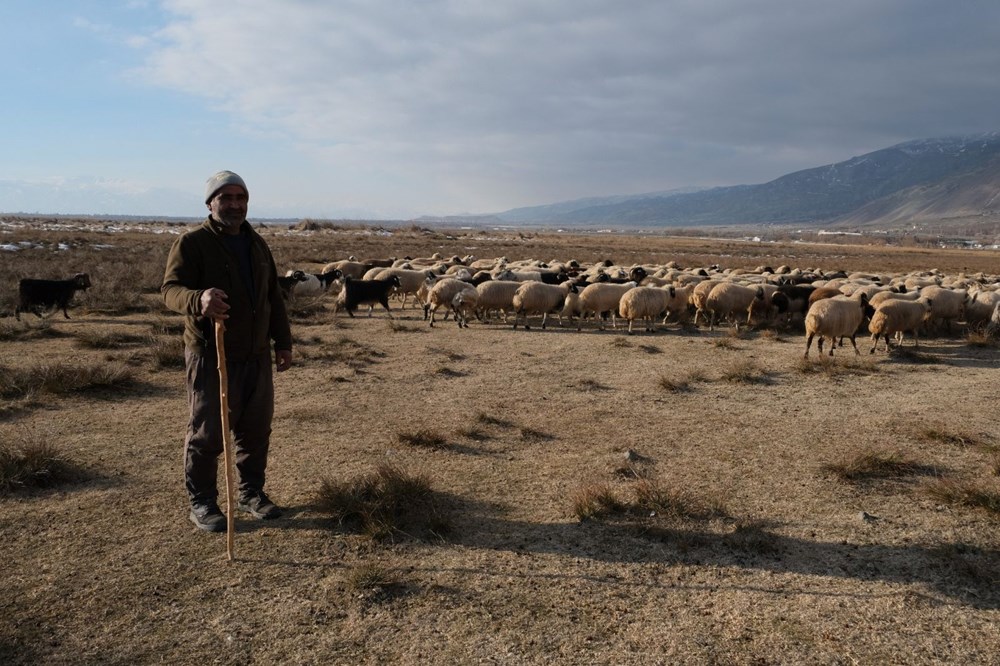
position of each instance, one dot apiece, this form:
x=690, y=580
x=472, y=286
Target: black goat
x=366, y=292
x=34, y=295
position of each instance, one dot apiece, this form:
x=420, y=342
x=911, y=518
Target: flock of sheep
x=829, y=306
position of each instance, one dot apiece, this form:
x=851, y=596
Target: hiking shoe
x=258, y=505
x=208, y=517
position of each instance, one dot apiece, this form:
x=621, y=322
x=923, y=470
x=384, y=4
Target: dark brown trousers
x=251, y=408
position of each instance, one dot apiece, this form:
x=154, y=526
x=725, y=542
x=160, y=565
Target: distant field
x=680, y=497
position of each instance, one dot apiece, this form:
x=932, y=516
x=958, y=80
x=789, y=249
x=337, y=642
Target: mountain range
x=928, y=179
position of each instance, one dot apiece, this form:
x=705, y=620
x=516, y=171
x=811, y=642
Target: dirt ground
x=793, y=566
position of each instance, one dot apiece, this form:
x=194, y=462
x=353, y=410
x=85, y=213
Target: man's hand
x=282, y=360
x=213, y=303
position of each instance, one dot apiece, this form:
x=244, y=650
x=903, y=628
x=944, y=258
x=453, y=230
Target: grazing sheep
x=365, y=292
x=600, y=299
x=981, y=307
x=728, y=299
x=410, y=280
x=700, y=295
x=443, y=293
x=993, y=326
x=348, y=268
x=835, y=317
x=826, y=291
x=465, y=303
x=645, y=304
x=496, y=295
x=35, y=295
x=897, y=316
x=884, y=296
x=540, y=298
x=947, y=305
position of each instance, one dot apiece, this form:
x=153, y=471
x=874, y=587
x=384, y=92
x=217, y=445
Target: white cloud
x=449, y=105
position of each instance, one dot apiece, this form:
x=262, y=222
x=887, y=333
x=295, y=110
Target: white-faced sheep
x=539, y=298
x=897, y=316
x=833, y=318
x=601, y=299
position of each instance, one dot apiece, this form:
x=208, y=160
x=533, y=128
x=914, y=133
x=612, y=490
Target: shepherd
x=224, y=271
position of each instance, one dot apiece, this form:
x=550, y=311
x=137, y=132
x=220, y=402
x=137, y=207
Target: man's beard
x=231, y=218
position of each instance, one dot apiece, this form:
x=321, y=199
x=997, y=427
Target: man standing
x=224, y=270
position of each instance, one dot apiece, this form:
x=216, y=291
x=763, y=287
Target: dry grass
x=386, y=504
x=964, y=494
x=484, y=557
x=871, y=465
x=60, y=378
x=35, y=464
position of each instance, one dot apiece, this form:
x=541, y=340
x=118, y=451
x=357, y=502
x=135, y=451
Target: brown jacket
x=198, y=261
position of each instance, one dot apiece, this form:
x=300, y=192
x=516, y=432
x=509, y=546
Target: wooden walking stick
x=227, y=437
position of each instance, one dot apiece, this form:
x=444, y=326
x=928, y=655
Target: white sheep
x=352, y=269
x=443, y=293
x=539, y=298
x=496, y=295
x=833, y=318
x=947, y=305
x=980, y=307
x=410, y=280
x=600, y=298
x=645, y=304
x=897, y=316
x=728, y=299
x=464, y=303
x=700, y=294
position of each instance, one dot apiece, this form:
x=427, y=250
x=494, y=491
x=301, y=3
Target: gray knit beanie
x=220, y=180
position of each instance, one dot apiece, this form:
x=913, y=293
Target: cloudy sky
x=392, y=109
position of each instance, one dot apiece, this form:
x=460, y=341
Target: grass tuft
x=654, y=499
x=911, y=355
x=746, y=372
x=871, y=464
x=60, y=378
x=596, y=500
x=965, y=494
x=34, y=465
x=385, y=504
x=935, y=433
x=487, y=419
x=424, y=439
x=837, y=366
x=93, y=339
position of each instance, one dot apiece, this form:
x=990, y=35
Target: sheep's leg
x=545, y=316
x=874, y=343
x=809, y=341
x=855, y=345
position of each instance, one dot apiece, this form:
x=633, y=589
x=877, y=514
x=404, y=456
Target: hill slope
x=932, y=177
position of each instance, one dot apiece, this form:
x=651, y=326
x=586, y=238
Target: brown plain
x=793, y=565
